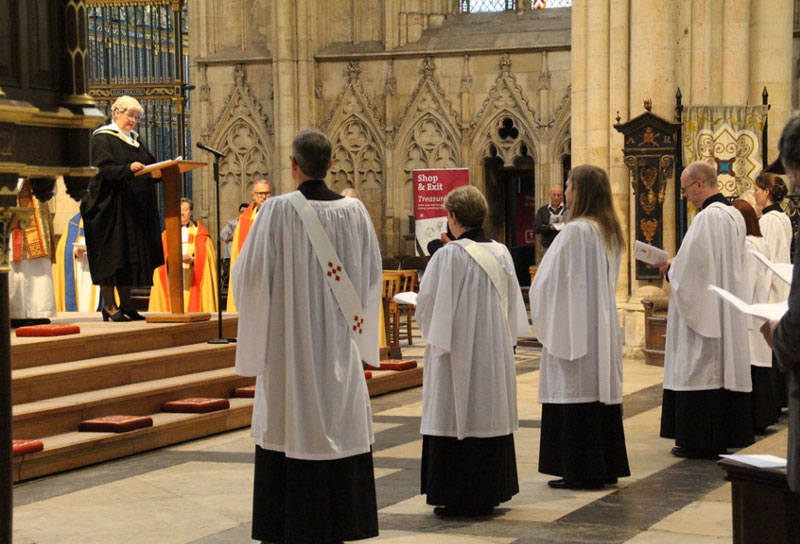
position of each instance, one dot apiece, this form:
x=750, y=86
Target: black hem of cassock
x=781, y=390
x=470, y=474
x=583, y=442
x=709, y=421
x=296, y=500
x=764, y=398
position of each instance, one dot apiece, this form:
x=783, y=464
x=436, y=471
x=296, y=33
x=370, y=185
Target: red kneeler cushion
x=23, y=447
x=397, y=364
x=48, y=330
x=115, y=424
x=246, y=392
x=196, y=405
x=367, y=374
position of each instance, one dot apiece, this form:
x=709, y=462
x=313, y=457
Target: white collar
x=130, y=138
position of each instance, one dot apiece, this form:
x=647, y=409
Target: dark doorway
x=510, y=192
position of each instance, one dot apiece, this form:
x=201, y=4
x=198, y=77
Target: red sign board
x=431, y=186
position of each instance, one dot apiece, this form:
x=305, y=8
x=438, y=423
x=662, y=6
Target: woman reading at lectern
x=120, y=213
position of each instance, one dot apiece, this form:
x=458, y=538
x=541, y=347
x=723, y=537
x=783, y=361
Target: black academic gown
x=787, y=351
x=120, y=216
x=296, y=500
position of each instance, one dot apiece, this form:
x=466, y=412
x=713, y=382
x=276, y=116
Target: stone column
x=735, y=45
x=705, y=51
x=771, y=63
x=578, y=61
x=293, y=82
x=598, y=120
x=618, y=98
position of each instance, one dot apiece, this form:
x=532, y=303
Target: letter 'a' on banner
x=431, y=186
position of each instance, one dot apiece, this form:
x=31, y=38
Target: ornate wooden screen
x=650, y=150
x=140, y=48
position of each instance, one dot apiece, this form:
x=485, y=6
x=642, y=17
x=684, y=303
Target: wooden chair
x=409, y=281
x=655, y=329
x=391, y=286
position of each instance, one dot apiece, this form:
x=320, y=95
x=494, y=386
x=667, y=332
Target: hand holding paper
x=649, y=254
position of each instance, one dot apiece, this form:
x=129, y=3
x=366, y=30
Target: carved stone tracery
x=505, y=107
x=355, y=127
x=428, y=137
x=244, y=133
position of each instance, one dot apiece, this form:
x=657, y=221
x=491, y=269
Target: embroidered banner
x=729, y=138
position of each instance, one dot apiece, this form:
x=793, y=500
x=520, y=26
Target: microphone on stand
x=217, y=156
x=204, y=147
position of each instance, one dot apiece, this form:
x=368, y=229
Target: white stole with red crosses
x=342, y=287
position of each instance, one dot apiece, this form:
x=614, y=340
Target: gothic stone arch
x=358, y=159
x=428, y=137
x=242, y=133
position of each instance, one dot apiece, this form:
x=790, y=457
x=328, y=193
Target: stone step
x=58, y=415
x=71, y=450
x=99, y=339
x=62, y=379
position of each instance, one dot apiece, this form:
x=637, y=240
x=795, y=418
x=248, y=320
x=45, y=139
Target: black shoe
x=612, y=481
x=119, y=316
x=587, y=485
x=132, y=314
x=29, y=322
x=686, y=453
x=455, y=512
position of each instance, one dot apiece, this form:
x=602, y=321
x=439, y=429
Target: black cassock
x=120, y=216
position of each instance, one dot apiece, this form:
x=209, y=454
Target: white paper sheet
x=758, y=460
x=406, y=297
x=763, y=311
x=782, y=270
x=649, y=254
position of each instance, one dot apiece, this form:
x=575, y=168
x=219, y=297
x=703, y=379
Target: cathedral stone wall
x=405, y=84
x=397, y=85
x=628, y=51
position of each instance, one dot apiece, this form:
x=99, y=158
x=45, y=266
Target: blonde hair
x=125, y=103
x=591, y=198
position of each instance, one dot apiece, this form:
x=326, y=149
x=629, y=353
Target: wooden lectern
x=170, y=174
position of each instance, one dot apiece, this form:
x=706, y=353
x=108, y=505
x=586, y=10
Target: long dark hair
x=750, y=218
x=591, y=198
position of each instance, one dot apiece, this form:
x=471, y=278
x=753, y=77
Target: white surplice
x=776, y=228
x=757, y=289
x=469, y=383
x=707, y=343
x=30, y=289
x=311, y=397
x=574, y=313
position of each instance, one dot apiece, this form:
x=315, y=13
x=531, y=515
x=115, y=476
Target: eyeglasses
x=262, y=193
x=685, y=188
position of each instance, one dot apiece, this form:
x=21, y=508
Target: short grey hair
x=468, y=204
x=703, y=170
x=312, y=152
